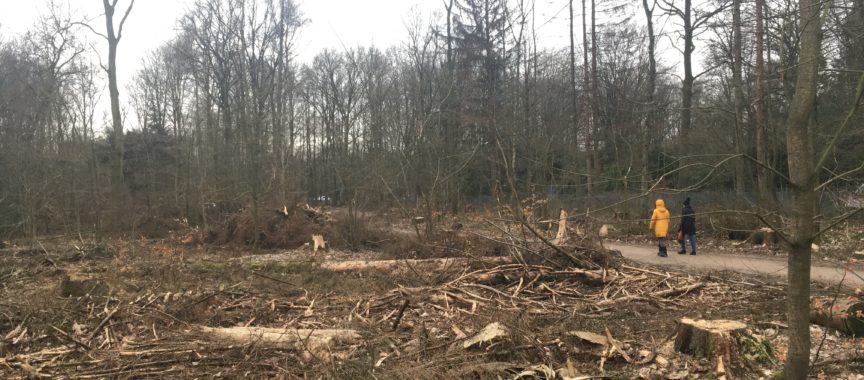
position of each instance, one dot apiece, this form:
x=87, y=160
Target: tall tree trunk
x=687, y=83
x=738, y=96
x=113, y=36
x=586, y=105
x=802, y=174
x=649, y=128
x=854, y=30
x=594, y=171
x=764, y=177
x=573, y=101
x=449, y=119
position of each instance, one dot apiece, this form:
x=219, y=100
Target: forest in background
x=467, y=110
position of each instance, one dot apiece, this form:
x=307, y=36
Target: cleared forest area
x=455, y=304
x=441, y=208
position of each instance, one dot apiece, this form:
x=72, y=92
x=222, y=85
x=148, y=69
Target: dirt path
x=709, y=261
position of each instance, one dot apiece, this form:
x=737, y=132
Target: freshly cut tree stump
x=709, y=338
x=843, y=314
x=727, y=343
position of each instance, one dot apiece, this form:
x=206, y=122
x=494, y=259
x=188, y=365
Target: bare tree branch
x=123, y=20
x=859, y=94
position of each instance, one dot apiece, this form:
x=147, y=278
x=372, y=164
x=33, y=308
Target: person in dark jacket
x=688, y=228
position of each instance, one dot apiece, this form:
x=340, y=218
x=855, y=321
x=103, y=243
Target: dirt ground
x=141, y=309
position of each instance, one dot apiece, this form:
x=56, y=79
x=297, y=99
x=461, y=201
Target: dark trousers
x=692, y=238
x=661, y=244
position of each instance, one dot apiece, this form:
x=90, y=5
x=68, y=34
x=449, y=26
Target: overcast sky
x=331, y=24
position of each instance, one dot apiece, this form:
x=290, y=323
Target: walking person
x=660, y=225
x=687, y=229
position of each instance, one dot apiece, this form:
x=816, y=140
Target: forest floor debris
x=166, y=304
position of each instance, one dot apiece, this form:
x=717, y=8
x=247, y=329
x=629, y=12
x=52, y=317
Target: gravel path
x=763, y=266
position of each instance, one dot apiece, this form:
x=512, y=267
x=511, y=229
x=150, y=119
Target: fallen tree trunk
x=595, y=277
x=343, y=266
x=843, y=314
x=319, y=343
x=285, y=338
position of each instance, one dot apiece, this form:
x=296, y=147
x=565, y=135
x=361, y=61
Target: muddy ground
x=137, y=309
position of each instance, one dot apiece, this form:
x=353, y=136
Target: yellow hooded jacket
x=660, y=220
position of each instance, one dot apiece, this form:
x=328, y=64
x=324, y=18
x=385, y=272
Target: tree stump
x=708, y=338
x=726, y=342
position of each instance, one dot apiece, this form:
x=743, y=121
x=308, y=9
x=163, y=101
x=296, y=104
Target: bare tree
x=764, y=176
x=692, y=20
x=113, y=37
x=650, y=89
x=803, y=174
x=738, y=94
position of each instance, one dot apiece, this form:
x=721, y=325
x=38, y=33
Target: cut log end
x=708, y=338
x=844, y=314
x=726, y=342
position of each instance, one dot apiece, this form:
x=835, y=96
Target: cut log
x=845, y=314
x=763, y=236
x=727, y=342
x=343, y=266
x=284, y=338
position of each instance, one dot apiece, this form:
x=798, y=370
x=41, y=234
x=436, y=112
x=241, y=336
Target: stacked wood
x=845, y=314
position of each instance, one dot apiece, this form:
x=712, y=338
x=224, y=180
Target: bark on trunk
x=802, y=176
x=648, y=129
x=573, y=100
x=765, y=180
x=687, y=83
x=113, y=92
x=727, y=344
x=708, y=339
x=738, y=96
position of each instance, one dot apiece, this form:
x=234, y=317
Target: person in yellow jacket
x=660, y=226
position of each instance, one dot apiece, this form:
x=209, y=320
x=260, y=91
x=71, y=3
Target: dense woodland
x=468, y=108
